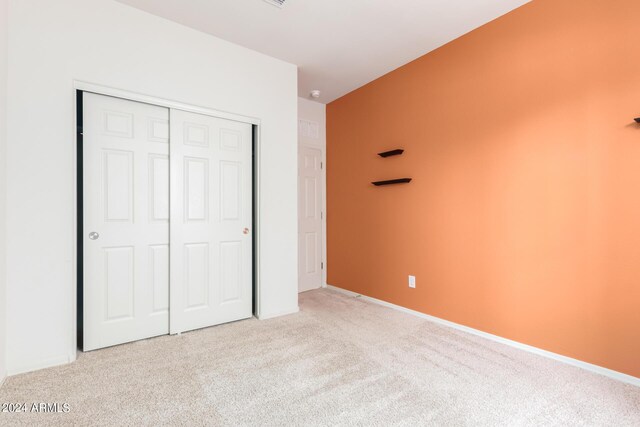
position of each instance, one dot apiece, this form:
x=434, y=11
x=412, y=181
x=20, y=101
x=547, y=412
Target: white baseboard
x=42, y=364
x=281, y=313
x=544, y=353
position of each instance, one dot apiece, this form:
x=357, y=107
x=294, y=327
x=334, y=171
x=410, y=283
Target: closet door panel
x=125, y=221
x=211, y=216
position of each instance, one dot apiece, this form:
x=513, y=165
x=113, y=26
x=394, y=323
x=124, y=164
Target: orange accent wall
x=523, y=217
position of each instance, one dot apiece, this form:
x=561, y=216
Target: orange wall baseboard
x=523, y=216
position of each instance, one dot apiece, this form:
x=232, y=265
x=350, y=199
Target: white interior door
x=126, y=221
x=211, y=213
x=310, y=218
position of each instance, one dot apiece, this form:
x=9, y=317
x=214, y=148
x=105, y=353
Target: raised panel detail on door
x=310, y=197
x=158, y=188
x=126, y=210
x=230, y=197
x=311, y=256
x=310, y=219
x=118, y=124
x=118, y=185
x=119, y=283
x=311, y=161
x=230, y=140
x=159, y=276
x=211, y=163
x=196, y=188
x=195, y=134
x=231, y=268
x=196, y=279
x=158, y=130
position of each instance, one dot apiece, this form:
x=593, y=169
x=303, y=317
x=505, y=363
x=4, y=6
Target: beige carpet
x=340, y=361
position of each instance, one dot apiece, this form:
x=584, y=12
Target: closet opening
x=217, y=165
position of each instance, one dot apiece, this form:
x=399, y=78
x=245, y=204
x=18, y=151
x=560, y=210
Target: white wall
x=51, y=43
x=316, y=112
x=3, y=179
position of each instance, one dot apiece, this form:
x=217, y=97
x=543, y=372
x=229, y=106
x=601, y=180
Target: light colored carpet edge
x=340, y=361
x=619, y=376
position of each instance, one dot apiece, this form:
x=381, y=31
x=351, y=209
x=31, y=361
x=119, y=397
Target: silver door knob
x=94, y=236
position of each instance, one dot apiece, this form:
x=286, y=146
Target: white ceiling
x=339, y=45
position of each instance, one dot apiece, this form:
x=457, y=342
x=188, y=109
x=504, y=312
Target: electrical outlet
x=412, y=281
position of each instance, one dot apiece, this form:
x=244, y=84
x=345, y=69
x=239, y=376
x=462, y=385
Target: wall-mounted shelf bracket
x=392, y=181
x=391, y=153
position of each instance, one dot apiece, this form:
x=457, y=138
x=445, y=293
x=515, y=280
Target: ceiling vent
x=278, y=3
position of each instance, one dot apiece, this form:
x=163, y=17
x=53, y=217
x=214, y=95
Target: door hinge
x=321, y=165
x=321, y=215
x=322, y=266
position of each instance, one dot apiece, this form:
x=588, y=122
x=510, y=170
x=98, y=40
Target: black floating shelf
x=391, y=153
x=392, y=181
x=637, y=119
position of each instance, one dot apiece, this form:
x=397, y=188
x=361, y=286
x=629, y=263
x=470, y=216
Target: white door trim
x=161, y=102
x=323, y=189
x=134, y=96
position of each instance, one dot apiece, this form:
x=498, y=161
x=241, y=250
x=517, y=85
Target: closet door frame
x=81, y=86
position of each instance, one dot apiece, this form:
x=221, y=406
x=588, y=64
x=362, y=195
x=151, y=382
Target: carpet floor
x=340, y=361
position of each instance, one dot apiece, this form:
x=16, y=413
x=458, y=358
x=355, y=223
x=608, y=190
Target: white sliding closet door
x=126, y=221
x=211, y=213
